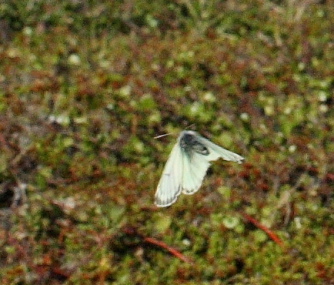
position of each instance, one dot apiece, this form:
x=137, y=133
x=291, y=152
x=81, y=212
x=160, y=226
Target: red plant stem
x=168, y=248
x=269, y=232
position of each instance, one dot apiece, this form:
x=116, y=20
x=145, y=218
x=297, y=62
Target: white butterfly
x=187, y=166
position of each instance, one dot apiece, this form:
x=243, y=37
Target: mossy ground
x=85, y=88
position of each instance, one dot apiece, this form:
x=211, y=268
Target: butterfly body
x=189, y=144
x=187, y=165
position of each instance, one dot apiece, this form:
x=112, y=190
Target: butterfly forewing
x=169, y=187
x=217, y=151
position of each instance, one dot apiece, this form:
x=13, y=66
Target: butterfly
x=187, y=165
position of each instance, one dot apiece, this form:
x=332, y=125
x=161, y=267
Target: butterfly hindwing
x=194, y=170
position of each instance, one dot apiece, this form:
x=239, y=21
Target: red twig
x=269, y=232
x=168, y=248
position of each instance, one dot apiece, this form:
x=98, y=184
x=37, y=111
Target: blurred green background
x=85, y=86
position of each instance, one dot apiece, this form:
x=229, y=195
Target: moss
x=85, y=88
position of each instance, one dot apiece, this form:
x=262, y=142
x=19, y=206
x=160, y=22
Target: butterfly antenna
x=188, y=127
x=161, y=136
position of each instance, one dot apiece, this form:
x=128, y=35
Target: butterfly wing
x=217, y=151
x=169, y=187
x=194, y=170
x=187, y=165
x=196, y=161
